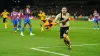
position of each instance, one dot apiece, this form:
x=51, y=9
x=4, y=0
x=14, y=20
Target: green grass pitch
x=85, y=40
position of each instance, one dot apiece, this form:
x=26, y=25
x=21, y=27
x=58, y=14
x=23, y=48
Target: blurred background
x=75, y=7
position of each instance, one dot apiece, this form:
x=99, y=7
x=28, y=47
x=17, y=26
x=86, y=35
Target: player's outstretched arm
x=56, y=18
x=54, y=21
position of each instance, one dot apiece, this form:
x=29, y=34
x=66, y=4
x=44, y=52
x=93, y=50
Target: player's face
x=14, y=9
x=5, y=10
x=95, y=11
x=64, y=10
x=27, y=8
x=40, y=11
x=20, y=10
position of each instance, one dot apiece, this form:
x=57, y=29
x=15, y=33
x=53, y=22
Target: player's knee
x=64, y=35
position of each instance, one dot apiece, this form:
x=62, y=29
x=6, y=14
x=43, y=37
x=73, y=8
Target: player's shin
x=42, y=28
x=30, y=30
x=94, y=27
x=22, y=30
x=19, y=27
x=15, y=29
x=5, y=24
x=67, y=41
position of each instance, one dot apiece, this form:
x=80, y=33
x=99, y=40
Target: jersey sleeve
x=59, y=15
x=39, y=15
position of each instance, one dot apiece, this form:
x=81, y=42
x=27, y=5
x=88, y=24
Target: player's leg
x=97, y=24
x=5, y=23
x=66, y=38
x=30, y=28
x=22, y=31
x=41, y=25
x=19, y=24
x=67, y=41
x=15, y=25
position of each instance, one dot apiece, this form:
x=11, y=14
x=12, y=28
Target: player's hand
x=54, y=23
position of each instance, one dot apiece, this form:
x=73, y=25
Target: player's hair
x=5, y=9
x=14, y=9
x=95, y=10
x=27, y=6
x=64, y=7
x=41, y=10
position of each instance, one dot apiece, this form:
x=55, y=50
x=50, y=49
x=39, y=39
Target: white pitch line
x=72, y=45
x=49, y=52
x=37, y=49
